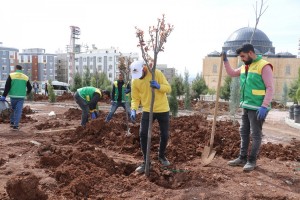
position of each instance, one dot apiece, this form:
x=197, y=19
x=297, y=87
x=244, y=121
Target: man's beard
x=248, y=62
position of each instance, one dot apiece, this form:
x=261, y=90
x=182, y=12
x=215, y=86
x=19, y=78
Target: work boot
x=164, y=161
x=250, y=165
x=140, y=169
x=237, y=162
x=15, y=128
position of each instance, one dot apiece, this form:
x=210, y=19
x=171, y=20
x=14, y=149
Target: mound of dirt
x=72, y=113
x=40, y=97
x=81, y=160
x=27, y=110
x=54, y=124
x=65, y=97
x=25, y=187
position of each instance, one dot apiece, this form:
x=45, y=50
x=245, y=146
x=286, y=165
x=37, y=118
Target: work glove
x=94, y=115
x=127, y=90
x=154, y=84
x=2, y=98
x=224, y=54
x=261, y=113
x=133, y=115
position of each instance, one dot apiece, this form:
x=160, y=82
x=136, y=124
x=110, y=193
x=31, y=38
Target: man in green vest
x=15, y=87
x=87, y=98
x=120, y=96
x=257, y=89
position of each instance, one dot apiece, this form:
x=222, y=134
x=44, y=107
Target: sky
x=201, y=26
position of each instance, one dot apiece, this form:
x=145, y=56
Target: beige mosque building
x=285, y=64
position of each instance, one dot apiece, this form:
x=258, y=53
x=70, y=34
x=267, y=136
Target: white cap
x=137, y=69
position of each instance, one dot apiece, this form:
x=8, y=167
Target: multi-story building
x=8, y=60
x=168, y=72
x=37, y=64
x=61, y=67
x=101, y=60
x=285, y=64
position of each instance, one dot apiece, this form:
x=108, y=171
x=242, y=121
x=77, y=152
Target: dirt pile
x=81, y=161
x=27, y=110
x=25, y=187
x=65, y=97
x=72, y=113
x=206, y=107
x=40, y=97
x=54, y=124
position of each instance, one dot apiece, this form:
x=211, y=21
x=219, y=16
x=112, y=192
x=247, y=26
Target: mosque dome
x=260, y=41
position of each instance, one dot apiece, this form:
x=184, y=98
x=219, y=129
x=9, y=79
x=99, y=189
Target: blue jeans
x=17, y=107
x=36, y=90
x=163, y=121
x=250, y=123
x=115, y=106
x=84, y=107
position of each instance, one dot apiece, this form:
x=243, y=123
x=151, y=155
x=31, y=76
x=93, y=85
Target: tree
x=77, y=83
x=104, y=82
x=124, y=66
x=173, y=99
x=257, y=17
x=95, y=79
x=86, y=81
x=179, y=85
x=284, y=97
x=225, y=89
x=187, y=92
x=158, y=37
x=51, y=96
x=294, y=87
x=199, y=86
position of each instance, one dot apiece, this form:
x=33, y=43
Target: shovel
x=128, y=134
x=208, y=153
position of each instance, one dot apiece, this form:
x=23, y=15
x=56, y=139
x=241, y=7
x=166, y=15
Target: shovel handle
x=212, y=136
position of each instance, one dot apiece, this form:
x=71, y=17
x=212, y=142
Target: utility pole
x=72, y=49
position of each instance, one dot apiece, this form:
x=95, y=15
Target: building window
x=28, y=58
x=100, y=67
x=110, y=67
x=110, y=75
x=44, y=59
x=288, y=70
x=215, y=68
x=110, y=58
x=100, y=59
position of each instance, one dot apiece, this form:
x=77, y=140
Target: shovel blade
x=207, y=155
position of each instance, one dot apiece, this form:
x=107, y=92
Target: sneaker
x=237, y=162
x=250, y=165
x=164, y=161
x=140, y=169
x=15, y=128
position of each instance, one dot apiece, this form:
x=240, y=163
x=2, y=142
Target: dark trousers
x=163, y=121
x=84, y=107
x=250, y=124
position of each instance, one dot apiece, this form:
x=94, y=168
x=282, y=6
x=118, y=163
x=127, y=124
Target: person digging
x=87, y=98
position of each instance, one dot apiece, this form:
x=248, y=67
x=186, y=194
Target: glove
x=127, y=90
x=224, y=54
x=2, y=98
x=262, y=113
x=133, y=115
x=94, y=115
x=154, y=84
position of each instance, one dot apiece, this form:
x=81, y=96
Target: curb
x=292, y=123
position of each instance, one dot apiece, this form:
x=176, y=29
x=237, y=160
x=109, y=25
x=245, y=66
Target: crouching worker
x=87, y=98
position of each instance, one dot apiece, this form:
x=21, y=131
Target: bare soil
x=52, y=157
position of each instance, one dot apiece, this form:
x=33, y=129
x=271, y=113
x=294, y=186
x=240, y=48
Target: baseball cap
x=137, y=69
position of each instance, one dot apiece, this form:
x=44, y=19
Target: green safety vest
x=18, y=84
x=253, y=89
x=125, y=97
